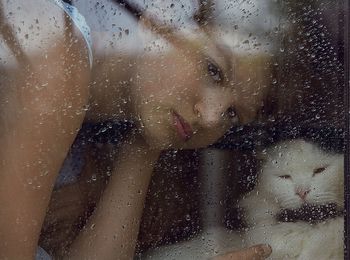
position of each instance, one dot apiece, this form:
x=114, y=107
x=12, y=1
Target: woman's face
x=189, y=100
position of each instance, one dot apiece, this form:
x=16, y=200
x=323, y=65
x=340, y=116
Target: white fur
x=297, y=240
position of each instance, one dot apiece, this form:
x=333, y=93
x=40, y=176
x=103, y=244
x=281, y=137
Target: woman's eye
x=318, y=170
x=285, y=176
x=214, y=72
x=231, y=112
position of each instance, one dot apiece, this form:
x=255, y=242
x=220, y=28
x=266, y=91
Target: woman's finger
x=258, y=252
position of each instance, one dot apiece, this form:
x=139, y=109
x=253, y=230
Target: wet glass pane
x=163, y=129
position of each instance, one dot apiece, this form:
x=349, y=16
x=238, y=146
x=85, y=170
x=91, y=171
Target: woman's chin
x=164, y=140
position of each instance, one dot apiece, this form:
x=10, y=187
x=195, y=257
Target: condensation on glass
x=245, y=101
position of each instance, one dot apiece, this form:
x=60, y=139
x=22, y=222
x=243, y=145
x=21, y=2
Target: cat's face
x=298, y=172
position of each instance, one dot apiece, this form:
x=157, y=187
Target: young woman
x=51, y=83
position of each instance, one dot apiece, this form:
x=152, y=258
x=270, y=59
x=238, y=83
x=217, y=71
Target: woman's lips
x=182, y=127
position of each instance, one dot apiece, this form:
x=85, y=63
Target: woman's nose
x=212, y=115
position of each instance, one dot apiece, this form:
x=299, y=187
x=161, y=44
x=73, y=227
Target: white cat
x=295, y=175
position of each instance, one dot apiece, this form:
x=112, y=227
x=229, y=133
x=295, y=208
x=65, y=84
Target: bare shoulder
x=42, y=33
x=36, y=23
x=38, y=26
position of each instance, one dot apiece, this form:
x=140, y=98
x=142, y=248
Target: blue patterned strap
x=79, y=22
x=41, y=254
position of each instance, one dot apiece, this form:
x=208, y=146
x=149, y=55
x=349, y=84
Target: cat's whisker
x=324, y=197
x=325, y=193
x=285, y=197
x=329, y=199
x=288, y=196
x=290, y=203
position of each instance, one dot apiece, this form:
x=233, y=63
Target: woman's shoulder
x=35, y=22
x=37, y=25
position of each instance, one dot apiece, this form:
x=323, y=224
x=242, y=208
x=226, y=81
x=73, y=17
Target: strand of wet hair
x=132, y=9
x=151, y=23
x=204, y=15
x=168, y=32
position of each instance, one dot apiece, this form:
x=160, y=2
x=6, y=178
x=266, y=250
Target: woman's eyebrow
x=220, y=57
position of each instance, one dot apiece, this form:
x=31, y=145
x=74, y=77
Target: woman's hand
x=257, y=252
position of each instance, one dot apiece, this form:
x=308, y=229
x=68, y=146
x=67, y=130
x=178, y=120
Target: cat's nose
x=302, y=193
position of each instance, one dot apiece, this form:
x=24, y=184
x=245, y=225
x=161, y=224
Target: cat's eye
x=318, y=170
x=214, y=72
x=285, y=176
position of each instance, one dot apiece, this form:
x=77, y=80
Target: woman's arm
x=258, y=252
x=41, y=111
x=112, y=231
